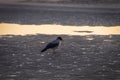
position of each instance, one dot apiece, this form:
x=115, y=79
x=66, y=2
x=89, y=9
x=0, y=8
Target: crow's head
x=60, y=38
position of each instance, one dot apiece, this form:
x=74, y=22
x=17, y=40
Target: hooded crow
x=53, y=45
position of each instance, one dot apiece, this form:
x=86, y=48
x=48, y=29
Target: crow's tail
x=44, y=49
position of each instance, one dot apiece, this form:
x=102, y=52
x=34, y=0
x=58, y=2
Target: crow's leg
x=54, y=51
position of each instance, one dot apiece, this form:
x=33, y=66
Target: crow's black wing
x=52, y=45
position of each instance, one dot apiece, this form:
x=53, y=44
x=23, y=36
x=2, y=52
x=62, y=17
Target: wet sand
x=90, y=57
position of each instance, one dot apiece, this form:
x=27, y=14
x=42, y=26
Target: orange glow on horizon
x=52, y=29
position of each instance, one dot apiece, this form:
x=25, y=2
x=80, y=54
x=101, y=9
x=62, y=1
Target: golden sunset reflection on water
x=53, y=29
